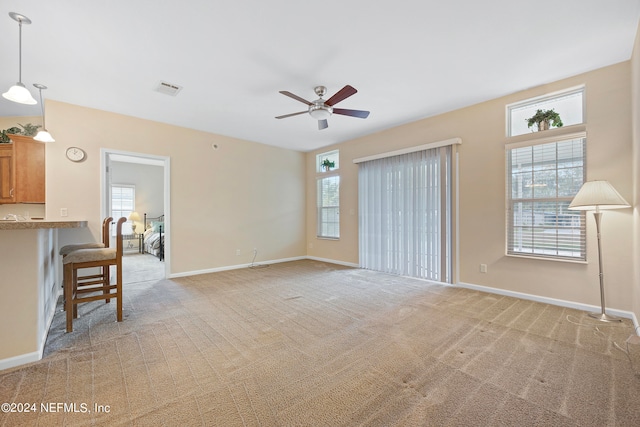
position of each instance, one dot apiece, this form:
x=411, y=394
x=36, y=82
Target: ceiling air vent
x=168, y=88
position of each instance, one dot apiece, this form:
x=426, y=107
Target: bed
x=153, y=236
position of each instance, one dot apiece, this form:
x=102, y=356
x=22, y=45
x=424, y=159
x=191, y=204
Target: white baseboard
x=12, y=362
x=275, y=261
x=333, y=261
x=232, y=267
x=50, y=314
x=552, y=301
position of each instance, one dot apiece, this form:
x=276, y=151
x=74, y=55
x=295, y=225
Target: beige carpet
x=308, y=343
x=138, y=267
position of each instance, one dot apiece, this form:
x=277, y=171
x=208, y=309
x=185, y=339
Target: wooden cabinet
x=22, y=170
x=6, y=174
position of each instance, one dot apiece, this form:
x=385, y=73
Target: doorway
x=150, y=174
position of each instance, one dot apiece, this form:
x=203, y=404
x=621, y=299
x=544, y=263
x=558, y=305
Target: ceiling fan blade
x=292, y=114
x=342, y=94
x=353, y=113
x=323, y=124
x=296, y=97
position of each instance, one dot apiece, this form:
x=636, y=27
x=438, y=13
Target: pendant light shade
x=18, y=92
x=43, y=135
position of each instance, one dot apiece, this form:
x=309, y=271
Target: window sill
x=550, y=135
x=542, y=258
x=327, y=238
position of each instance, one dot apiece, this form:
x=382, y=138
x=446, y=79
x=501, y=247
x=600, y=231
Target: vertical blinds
x=404, y=219
x=542, y=180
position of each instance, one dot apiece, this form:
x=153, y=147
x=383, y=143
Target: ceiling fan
x=321, y=110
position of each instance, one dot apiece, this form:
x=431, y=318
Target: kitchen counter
x=30, y=284
x=39, y=224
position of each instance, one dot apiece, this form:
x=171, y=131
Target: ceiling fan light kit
x=321, y=110
x=18, y=92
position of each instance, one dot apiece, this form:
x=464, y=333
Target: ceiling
x=408, y=59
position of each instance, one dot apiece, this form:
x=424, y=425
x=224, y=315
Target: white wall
x=149, y=184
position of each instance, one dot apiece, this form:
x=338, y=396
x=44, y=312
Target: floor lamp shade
x=597, y=195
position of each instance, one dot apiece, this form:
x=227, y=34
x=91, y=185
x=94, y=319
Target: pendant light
x=43, y=135
x=18, y=92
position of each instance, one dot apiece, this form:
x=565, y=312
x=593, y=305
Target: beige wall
x=635, y=114
x=240, y=196
x=482, y=192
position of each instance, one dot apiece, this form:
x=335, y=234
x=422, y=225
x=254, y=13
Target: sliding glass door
x=405, y=214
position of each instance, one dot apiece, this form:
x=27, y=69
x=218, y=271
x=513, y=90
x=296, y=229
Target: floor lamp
x=597, y=196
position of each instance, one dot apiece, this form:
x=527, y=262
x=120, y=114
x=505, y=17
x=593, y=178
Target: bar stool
x=67, y=249
x=91, y=279
x=89, y=258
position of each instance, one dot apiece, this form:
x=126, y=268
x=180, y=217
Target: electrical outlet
x=237, y=252
x=64, y=212
x=483, y=268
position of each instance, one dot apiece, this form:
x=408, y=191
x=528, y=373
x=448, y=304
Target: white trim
x=636, y=325
x=551, y=95
x=555, y=135
x=275, y=261
x=546, y=97
x=446, y=142
x=233, y=267
x=142, y=158
x=547, y=258
x=333, y=261
x=23, y=359
x=457, y=258
x=547, y=300
x=52, y=312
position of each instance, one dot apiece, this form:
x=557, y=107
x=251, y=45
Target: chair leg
x=74, y=292
x=119, y=291
x=68, y=303
x=106, y=277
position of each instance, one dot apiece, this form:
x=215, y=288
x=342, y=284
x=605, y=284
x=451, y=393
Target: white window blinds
x=329, y=207
x=122, y=204
x=542, y=180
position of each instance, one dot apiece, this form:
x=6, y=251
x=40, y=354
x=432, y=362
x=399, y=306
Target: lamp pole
x=597, y=215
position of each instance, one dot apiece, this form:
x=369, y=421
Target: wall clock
x=76, y=154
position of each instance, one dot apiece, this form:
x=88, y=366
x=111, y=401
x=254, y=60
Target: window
x=542, y=179
x=405, y=214
x=122, y=205
x=332, y=156
x=569, y=104
x=329, y=207
x=328, y=196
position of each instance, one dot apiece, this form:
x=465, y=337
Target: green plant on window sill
x=328, y=164
x=27, y=130
x=545, y=119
